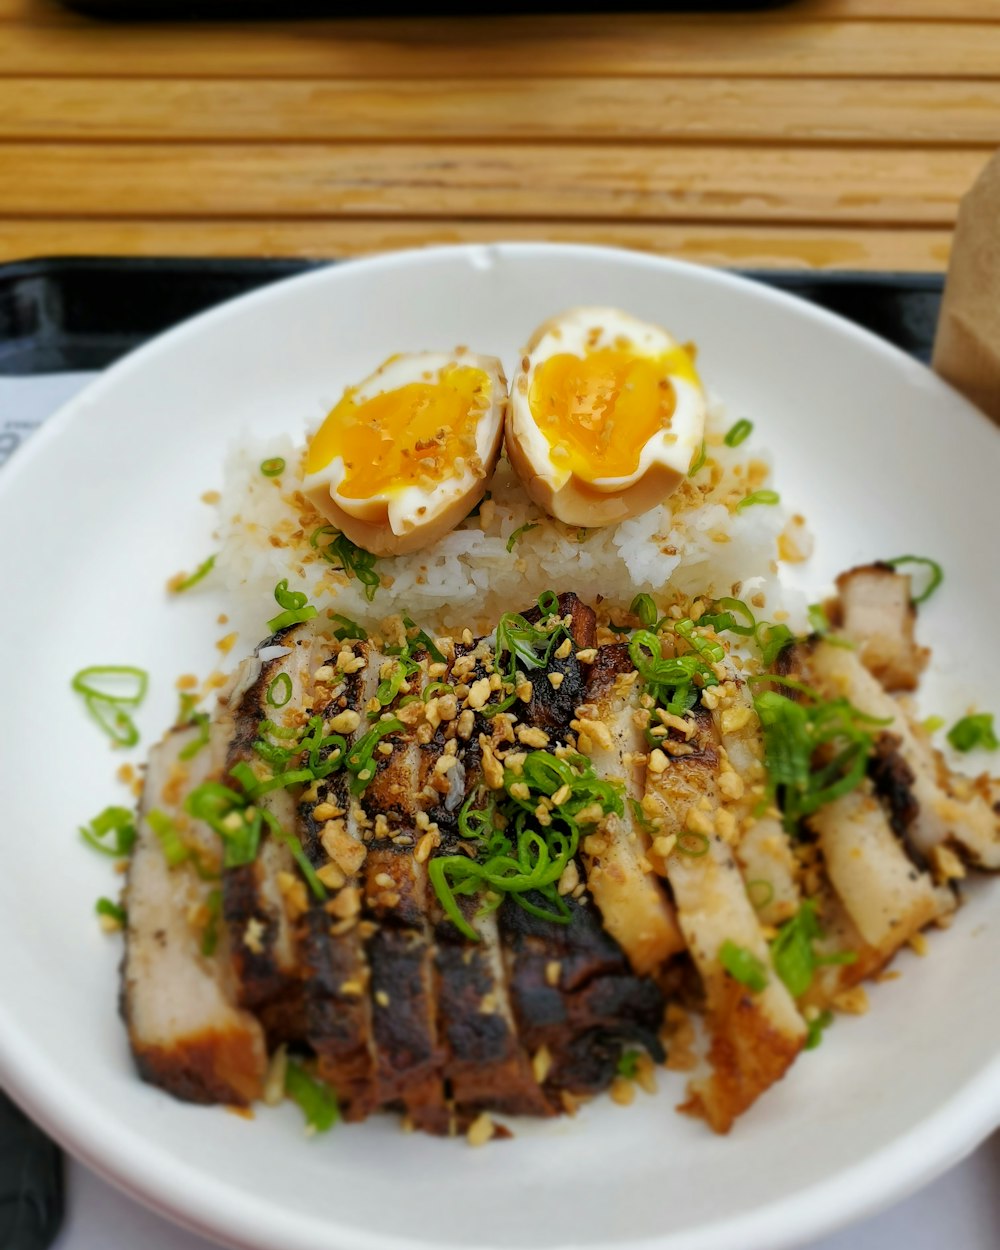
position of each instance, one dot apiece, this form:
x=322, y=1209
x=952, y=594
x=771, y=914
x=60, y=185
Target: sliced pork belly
x=264, y=946
x=397, y=900
x=763, y=851
x=630, y=897
x=874, y=610
x=755, y=1036
x=337, y=1008
x=886, y=895
x=951, y=811
x=486, y=1063
x=188, y=1034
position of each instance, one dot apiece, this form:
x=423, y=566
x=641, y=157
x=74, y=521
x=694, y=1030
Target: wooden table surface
x=830, y=133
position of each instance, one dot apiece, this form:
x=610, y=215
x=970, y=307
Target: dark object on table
x=84, y=313
x=242, y=10
x=31, y=1183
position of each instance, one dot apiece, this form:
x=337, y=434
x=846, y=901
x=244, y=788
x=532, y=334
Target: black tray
x=84, y=313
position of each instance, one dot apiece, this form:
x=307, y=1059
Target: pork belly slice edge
x=337, y=976
x=188, y=1034
x=951, y=810
x=874, y=610
x=886, y=895
x=764, y=852
x=755, y=1037
x=630, y=897
x=265, y=952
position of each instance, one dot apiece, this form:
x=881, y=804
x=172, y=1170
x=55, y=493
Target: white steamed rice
x=695, y=543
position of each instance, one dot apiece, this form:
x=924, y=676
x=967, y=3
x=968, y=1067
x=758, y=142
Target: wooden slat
x=713, y=109
x=911, y=186
x=615, y=44
x=747, y=246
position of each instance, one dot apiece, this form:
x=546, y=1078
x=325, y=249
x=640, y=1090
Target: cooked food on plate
x=493, y=863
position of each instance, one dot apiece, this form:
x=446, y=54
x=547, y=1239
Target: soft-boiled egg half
x=606, y=416
x=408, y=452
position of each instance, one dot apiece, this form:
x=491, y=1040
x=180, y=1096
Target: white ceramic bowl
x=103, y=505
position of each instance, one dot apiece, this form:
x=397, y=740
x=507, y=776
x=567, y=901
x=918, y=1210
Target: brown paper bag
x=967, y=346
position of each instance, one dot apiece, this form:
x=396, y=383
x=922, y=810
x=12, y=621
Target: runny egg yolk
x=413, y=435
x=598, y=411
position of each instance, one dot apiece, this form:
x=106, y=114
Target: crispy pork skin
x=187, y=1031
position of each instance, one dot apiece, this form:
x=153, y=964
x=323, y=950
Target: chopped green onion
x=346, y=628
x=726, y=619
x=931, y=724
x=210, y=934
x=105, y=706
x=936, y=574
x=792, y=952
x=227, y=812
x=186, y=705
x=434, y=688
x=760, y=893
x=674, y=681
x=818, y=620
x=518, y=857
x=116, y=822
x=521, y=529
x=422, y=640
x=693, y=844
x=296, y=605
x=772, y=640
x=769, y=497
x=974, y=731
x=299, y=855
x=194, y=578
x=814, y=1033
x=174, y=850
x=743, y=966
x=699, y=460
x=279, y=691
x=105, y=907
x=739, y=433
x=316, y=1099
x=583, y=534
x=360, y=759
x=815, y=750
x=201, y=719
x=354, y=560
x=628, y=1064
x=272, y=467
x=135, y=680
x=641, y=818
x=644, y=608
x=548, y=604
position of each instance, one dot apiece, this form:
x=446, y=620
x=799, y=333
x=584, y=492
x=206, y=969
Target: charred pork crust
x=207, y=1068
x=574, y=993
x=552, y=706
x=893, y=780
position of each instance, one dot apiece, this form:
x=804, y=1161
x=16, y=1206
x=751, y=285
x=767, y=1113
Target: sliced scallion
x=296, y=607
x=316, y=1099
x=279, y=690
x=521, y=529
x=202, y=571
x=699, y=460
x=106, y=907
x=169, y=838
x=210, y=933
x=644, y=608
x=273, y=467
x=743, y=966
x=768, y=497
x=739, y=433
x=935, y=569
x=974, y=731
x=112, y=832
